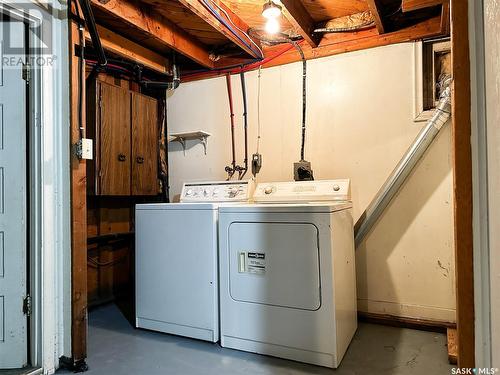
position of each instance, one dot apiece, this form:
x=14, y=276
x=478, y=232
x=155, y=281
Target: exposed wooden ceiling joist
x=333, y=44
x=240, y=40
x=374, y=8
x=299, y=17
x=127, y=49
x=411, y=5
x=145, y=20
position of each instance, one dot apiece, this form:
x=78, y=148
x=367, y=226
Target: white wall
x=360, y=122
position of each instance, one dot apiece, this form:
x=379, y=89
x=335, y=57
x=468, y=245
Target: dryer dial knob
x=268, y=190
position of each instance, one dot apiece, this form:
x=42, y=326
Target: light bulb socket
x=271, y=10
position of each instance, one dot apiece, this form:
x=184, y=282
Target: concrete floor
x=117, y=348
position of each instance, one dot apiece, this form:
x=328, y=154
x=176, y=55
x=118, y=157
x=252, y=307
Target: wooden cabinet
x=144, y=145
x=114, y=141
x=124, y=126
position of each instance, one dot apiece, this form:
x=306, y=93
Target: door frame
x=486, y=213
x=48, y=195
x=463, y=199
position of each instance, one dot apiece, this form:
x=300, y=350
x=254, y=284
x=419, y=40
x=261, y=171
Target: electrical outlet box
x=302, y=171
x=84, y=149
x=256, y=163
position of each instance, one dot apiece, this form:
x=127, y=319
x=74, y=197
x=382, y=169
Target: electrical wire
x=218, y=16
x=81, y=75
x=240, y=30
x=244, y=170
x=258, y=108
x=304, y=100
x=245, y=68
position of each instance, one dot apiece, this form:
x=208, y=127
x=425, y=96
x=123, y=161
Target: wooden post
x=78, y=215
x=462, y=185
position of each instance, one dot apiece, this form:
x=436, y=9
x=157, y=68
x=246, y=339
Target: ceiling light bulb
x=271, y=10
x=272, y=26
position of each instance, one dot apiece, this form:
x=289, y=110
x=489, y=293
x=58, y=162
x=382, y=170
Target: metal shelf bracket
x=182, y=138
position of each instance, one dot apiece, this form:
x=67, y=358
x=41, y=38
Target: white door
x=13, y=213
x=275, y=263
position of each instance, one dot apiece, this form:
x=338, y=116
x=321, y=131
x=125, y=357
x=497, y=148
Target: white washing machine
x=287, y=272
x=176, y=260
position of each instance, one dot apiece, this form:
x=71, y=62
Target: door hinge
x=27, y=306
x=27, y=72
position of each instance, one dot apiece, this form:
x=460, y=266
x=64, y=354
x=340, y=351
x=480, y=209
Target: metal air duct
x=406, y=165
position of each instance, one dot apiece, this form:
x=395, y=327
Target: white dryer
x=176, y=260
x=287, y=272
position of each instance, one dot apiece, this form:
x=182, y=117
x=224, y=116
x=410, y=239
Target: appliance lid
x=305, y=207
x=177, y=206
x=303, y=191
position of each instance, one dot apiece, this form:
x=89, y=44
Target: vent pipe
x=406, y=165
x=170, y=86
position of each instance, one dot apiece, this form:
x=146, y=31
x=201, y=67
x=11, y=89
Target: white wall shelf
x=190, y=135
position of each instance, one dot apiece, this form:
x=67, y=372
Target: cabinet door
x=114, y=150
x=144, y=145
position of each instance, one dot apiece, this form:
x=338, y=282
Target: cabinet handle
x=140, y=160
x=122, y=157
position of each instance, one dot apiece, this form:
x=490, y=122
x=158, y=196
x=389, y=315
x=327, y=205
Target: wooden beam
x=375, y=10
x=451, y=335
x=241, y=40
x=411, y=5
x=78, y=215
x=445, y=18
x=462, y=181
x=298, y=16
x=333, y=44
x=337, y=43
x=127, y=49
x=157, y=27
x=406, y=322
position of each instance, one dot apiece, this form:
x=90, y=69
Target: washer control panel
x=218, y=191
x=303, y=191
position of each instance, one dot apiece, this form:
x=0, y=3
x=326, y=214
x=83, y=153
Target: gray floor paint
x=117, y=348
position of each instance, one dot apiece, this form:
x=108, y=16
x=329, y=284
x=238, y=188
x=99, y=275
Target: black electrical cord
x=304, y=100
x=244, y=170
x=81, y=75
x=94, y=34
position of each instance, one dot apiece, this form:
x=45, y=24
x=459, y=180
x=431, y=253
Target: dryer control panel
x=303, y=191
x=217, y=191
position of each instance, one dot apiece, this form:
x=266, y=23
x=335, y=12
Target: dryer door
x=275, y=264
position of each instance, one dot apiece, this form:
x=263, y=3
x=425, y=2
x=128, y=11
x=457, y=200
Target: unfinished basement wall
x=360, y=122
